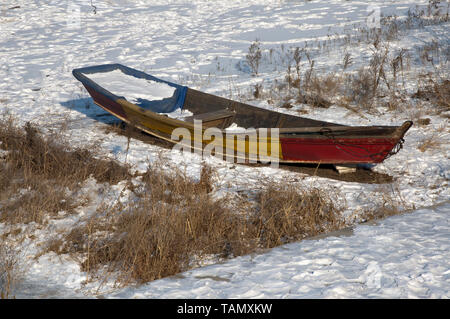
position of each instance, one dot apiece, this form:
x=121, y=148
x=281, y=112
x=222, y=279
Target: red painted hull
x=330, y=150
x=108, y=104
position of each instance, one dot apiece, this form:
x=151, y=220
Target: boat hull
x=317, y=144
x=336, y=151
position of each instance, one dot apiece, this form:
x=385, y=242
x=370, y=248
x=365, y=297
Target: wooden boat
x=284, y=137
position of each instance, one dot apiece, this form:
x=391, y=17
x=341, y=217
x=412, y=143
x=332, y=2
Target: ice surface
x=178, y=114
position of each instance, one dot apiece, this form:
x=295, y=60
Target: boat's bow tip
x=404, y=128
x=406, y=125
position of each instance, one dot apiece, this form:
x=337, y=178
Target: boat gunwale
x=192, y=147
x=309, y=132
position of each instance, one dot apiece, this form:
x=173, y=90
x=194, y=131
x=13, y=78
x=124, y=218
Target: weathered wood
x=247, y=115
x=220, y=118
x=345, y=169
x=301, y=140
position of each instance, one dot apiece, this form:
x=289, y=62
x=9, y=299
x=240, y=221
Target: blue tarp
x=166, y=105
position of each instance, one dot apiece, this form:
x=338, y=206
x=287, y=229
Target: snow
x=203, y=45
x=234, y=128
x=405, y=256
x=130, y=87
x=178, y=114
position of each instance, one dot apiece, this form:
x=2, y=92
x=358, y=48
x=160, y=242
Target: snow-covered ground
x=203, y=44
x=406, y=256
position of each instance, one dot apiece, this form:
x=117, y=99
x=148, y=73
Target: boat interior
x=221, y=112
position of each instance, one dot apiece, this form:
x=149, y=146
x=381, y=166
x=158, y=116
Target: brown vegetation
x=39, y=174
x=434, y=141
x=172, y=223
x=436, y=92
x=379, y=83
x=10, y=270
x=176, y=224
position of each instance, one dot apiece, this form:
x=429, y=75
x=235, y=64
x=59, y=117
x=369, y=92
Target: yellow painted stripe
x=150, y=121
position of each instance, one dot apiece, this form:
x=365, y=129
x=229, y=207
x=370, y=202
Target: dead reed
x=287, y=214
x=381, y=81
x=10, y=270
x=176, y=224
x=39, y=173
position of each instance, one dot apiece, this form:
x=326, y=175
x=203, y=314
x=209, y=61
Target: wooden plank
x=209, y=116
x=345, y=169
x=220, y=118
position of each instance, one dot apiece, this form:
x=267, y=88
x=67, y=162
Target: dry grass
x=254, y=56
x=174, y=220
x=52, y=158
x=176, y=224
x=10, y=270
x=380, y=82
x=302, y=87
x=159, y=241
x=43, y=199
x=388, y=202
x=436, y=92
x=288, y=214
x=434, y=141
x=39, y=174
